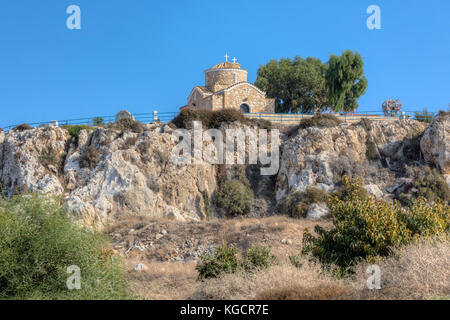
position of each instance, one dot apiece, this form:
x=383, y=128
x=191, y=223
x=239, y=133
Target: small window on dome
x=234, y=78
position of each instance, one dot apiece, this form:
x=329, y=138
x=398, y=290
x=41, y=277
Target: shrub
x=213, y=119
x=98, y=121
x=371, y=149
x=296, y=204
x=423, y=116
x=38, y=242
x=185, y=118
x=224, y=260
x=234, y=198
x=365, y=228
x=225, y=115
x=89, y=157
x=129, y=142
x=207, y=203
x=427, y=220
x=353, y=189
x=74, y=131
x=320, y=120
x=23, y=127
x=127, y=124
x=258, y=258
x=366, y=124
x=231, y=260
x=48, y=157
x=427, y=183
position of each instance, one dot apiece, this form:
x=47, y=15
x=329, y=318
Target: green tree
x=345, y=81
x=98, y=121
x=297, y=85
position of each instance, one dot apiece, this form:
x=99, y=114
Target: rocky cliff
x=104, y=173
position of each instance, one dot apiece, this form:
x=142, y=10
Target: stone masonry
x=227, y=88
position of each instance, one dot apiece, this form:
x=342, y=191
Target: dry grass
x=418, y=271
x=320, y=292
x=163, y=280
x=282, y=281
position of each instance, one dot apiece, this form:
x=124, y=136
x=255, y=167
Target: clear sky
x=144, y=55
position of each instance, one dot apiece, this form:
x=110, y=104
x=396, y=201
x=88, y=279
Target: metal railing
x=344, y=116
x=166, y=117
x=162, y=117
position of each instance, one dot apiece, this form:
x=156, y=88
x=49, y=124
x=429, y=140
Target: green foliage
x=23, y=127
x=38, y=242
x=296, y=204
x=365, y=228
x=213, y=119
x=366, y=124
x=423, y=116
x=297, y=85
x=352, y=190
x=320, y=120
x=98, y=121
x=258, y=258
x=74, y=131
x=371, y=149
x=427, y=220
x=235, y=198
x=345, y=81
x=429, y=184
x=224, y=260
x=207, y=203
x=230, y=260
x=90, y=157
x=296, y=260
x=48, y=157
x=127, y=124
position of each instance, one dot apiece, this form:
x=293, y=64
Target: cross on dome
x=234, y=60
x=226, y=56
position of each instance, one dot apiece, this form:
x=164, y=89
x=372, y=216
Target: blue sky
x=147, y=55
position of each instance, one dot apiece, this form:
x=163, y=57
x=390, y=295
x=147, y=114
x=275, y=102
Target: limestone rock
x=134, y=175
x=131, y=173
x=321, y=156
x=435, y=143
x=30, y=160
x=317, y=211
x=374, y=190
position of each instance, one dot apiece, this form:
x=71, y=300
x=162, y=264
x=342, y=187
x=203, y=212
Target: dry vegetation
x=418, y=271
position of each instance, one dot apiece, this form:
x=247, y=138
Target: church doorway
x=244, y=108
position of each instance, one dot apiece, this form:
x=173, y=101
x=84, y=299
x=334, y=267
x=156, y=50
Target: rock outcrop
x=31, y=160
x=435, y=143
x=104, y=174
x=319, y=157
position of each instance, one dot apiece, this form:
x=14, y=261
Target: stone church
x=226, y=87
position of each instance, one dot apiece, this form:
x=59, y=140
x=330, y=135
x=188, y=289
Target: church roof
x=203, y=90
x=226, y=65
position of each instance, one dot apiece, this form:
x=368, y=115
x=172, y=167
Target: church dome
x=226, y=65
x=224, y=75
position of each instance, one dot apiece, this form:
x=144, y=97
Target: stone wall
x=249, y=95
x=220, y=79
